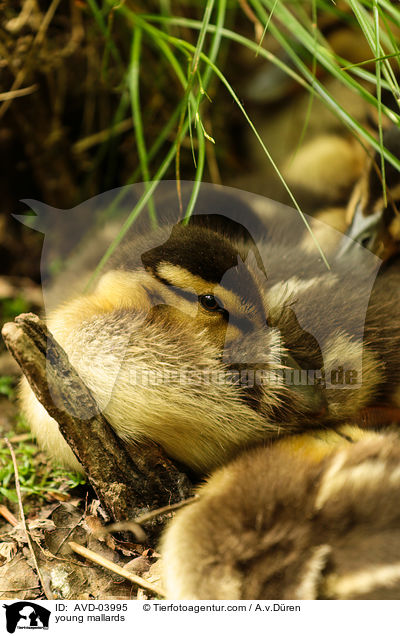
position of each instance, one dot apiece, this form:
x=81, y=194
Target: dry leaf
x=8, y=550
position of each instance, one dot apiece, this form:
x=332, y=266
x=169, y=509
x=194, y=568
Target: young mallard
x=176, y=304
x=204, y=341
x=361, y=212
x=302, y=518
x=373, y=223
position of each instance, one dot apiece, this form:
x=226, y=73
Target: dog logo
x=26, y=615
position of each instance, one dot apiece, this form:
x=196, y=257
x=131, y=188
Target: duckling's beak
x=368, y=231
x=311, y=395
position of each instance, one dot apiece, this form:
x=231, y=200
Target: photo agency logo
x=237, y=293
x=26, y=615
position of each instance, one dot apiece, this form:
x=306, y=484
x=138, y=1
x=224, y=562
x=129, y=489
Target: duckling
x=173, y=305
x=282, y=523
x=323, y=175
x=372, y=223
x=360, y=212
x=197, y=338
x=324, y=171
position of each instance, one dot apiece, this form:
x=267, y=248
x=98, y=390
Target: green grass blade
x=266, y=26
x=174, y=149
x=365, y=21
x=328, y=99
x=105, y=30
x=138, y=207
x=227, y=85
x=270, y=57
x=133, y=82
x=378, y=96
x=204, y=82
x=312, y=93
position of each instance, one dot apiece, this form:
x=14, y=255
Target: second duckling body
x=306, y=518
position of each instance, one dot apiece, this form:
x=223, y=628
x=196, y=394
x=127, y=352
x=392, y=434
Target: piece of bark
x=124, y=483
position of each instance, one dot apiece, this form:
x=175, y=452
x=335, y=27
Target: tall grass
x=191, y=50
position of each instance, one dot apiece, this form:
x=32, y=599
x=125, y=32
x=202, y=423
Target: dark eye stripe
x=241, y=322
x=183, y=293
x=186, y=295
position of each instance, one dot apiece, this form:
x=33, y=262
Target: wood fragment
x=100, y=137
x=124, y=484
x=8, y=515
x=134, y=525
x=258, y=27
x=117, y=569
x=147, y=516
x=23, y=437
x=124, y=526
x=20, y=589
x=20, y=92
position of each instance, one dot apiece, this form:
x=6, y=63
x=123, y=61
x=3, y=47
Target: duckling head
x=214, y=288
x=220, y=288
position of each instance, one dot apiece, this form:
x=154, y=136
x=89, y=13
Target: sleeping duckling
x=372, y=223
x=362, y=214
x=282, y=523
x=161, y=315
x=172, y=337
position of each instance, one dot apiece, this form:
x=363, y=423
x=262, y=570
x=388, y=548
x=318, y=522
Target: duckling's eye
x=209, y=302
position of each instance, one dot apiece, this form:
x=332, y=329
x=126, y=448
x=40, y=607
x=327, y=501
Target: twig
x=16, y=24
x=103, y=135
x=147, y=516
x=46, y=590
x=117, y=569
x=70, y=531
x=124, y=526
x=20, y=92
x=134, y=525
x=8, y=515
x=258, y=27
x=23, y=437
x=20, y=589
